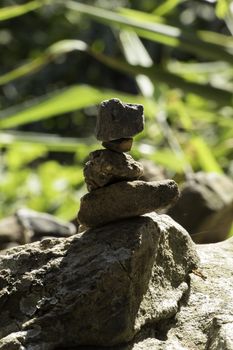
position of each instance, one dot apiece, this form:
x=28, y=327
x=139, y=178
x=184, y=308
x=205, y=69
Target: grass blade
x=67, y=100
x=50, y=141
x=19, y=10
x=204, y=155
x=55, y=50
x=163, y=33
x=217, y=95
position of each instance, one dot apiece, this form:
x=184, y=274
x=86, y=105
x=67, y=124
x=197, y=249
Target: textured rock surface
x=125, y=199
x=118, y=120
x=105, y=167
x=120, y=145
x=98, y=288
x=205, y=207
x=205, y=317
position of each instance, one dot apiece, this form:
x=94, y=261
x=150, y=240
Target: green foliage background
x=59, y=59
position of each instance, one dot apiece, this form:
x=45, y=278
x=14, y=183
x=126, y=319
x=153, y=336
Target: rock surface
x=118, y=120
x=120, y=145
x=205, y=318
x=125, y=199
x=105, y=167
x=205, y=207
x=99, y=288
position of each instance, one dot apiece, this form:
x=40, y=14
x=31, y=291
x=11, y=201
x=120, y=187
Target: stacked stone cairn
x=113, y=177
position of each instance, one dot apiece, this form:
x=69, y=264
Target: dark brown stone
x=120, y=145
x=105, y=167
x=125, y=199
x=118, y=120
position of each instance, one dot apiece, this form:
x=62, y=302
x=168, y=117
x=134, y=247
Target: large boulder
x=99, y=288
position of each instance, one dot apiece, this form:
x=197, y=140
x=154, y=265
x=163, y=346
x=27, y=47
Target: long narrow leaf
x=220, y=96
x=204, y=155
x=19, y=10
x=70, y=99
x=217, y=95
x=166, y=7
x=168, y=35
x=50, y=141
x=36, y=64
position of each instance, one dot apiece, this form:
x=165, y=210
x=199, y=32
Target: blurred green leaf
x=67, y=100
x=163, y=33
x=169, y=160
x=204, y=155
x=51, y=142
x=166, y=7
x=217, y=95
x=19, y=10
x=139, y=15
x=222, y=8
x=20, y=155
x=37, y=63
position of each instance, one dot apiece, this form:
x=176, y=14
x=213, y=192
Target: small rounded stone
x=105, y=167
x=120, y=145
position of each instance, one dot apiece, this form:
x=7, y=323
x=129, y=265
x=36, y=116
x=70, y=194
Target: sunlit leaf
x=169, y=160
x=204, y=155
x=19, y=10
x=67, y=100
x=50, y=142
x=222, y=8
x=37, y=63
x=20, y=155
x=163, y=33
x=166, y=7
x=217, y=95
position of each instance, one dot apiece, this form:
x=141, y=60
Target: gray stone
x=205, y=318
x=125, y=199
x=105, y=167
x=27, y=226
x=120, y=145
x=205, y=207
x=118, y=120
x=99, y=288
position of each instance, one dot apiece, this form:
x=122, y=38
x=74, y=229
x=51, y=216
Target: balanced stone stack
x=113, y=176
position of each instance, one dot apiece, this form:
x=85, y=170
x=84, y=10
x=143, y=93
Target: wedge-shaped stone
x=118, y=120
x=105, y=167
x=125, y=199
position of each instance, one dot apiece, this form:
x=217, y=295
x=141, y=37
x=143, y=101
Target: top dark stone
x=118, y=120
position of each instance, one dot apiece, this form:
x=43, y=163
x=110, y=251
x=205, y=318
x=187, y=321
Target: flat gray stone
x=125, y=199
x=98, y=289
x=118, y=120
x=120, y=145
x=105, y=167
